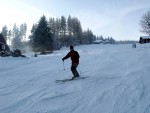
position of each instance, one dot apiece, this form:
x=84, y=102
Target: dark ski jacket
x=74, y=56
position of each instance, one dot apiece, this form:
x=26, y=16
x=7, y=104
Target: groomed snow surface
x=118, y=81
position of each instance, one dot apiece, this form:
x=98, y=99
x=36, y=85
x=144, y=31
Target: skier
x=134, y=45
x=75, y=61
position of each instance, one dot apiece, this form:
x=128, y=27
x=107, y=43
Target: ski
x=65, y=80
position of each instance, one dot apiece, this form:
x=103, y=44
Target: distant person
x=75, y=61
x=134, y=46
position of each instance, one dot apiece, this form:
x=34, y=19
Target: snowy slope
x=118, y=81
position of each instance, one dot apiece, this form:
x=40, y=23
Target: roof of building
x=145, y=37
x=97, y=40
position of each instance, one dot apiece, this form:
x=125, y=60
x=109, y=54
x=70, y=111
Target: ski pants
x=74, y=70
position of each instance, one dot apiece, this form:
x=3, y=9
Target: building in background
x=144, y=39
x=3, y=44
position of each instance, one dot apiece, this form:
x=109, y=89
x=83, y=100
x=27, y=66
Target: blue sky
x=116, y=18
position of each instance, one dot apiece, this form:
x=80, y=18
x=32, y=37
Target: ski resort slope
x=118, y=81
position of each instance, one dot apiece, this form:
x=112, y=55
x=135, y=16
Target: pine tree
x=42, y=38
x=63, y=25
x=69, y=26
x=63, y=30
x=9, y=37
x=88, y=37
x=69, y=31
x=112, y=41
x=54, y=30
x=16, y=41
x=57, y=27
x=23, y=30
x=32, y=35
x=74, y=31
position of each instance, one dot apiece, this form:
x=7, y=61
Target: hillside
x=118, y=81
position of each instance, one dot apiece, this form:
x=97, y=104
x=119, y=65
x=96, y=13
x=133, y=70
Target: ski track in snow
x=118, y=82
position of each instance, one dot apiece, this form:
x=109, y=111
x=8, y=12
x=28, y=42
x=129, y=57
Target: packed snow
x=118, y=81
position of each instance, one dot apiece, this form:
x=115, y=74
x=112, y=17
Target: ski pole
x=80, y=71
x=63, y=65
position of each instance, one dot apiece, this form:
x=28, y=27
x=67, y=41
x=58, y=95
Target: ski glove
x=63, y=59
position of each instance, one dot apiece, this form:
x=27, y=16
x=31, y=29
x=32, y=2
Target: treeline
x=126, y=42
x=49, y=35
x=55, y=33
x=15, y=37
x=108, y=40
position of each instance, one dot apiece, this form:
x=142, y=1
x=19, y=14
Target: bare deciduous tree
x=145, y=23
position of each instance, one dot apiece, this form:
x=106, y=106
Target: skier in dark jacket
x=75, y=61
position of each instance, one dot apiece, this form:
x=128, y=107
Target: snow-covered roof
x=98, y=41
x=145, y=37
